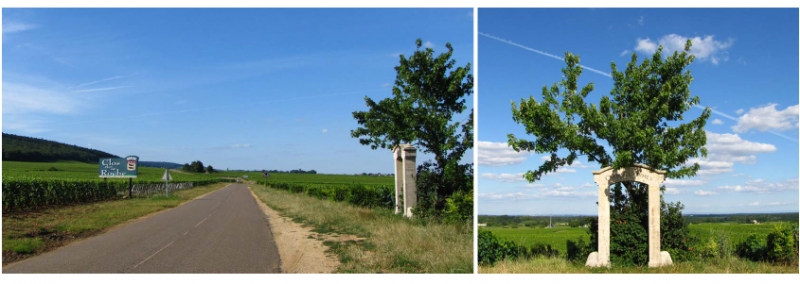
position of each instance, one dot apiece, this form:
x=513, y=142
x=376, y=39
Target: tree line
x=28, y=149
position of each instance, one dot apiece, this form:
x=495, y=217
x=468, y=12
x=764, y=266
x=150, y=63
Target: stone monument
x=638, y=173
x=405, y=178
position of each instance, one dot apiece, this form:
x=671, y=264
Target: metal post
x=130, y=188
x=167, y=188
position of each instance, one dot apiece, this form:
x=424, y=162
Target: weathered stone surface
x=591, y=261
x=666, y=259
x=642, y=174
x=405, y=177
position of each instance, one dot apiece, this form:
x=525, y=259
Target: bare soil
x=301, y=250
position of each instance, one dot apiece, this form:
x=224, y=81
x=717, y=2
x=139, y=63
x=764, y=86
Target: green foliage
x=428, y=94
x=21, y=148
x=442, y=193
x=633, y=121
x=357, y=194
x=719, y=245
x=578, y=251
x=459, y=207
x=676, y=237
x=23, y=194
x=753, y=248
x=782, y=245
x=491, y=249
x=424, y=102
x=639, y=121
x=194, y=167
x=779, y=246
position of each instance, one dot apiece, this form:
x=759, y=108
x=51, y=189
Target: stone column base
x=666, y=260
x=593, y=261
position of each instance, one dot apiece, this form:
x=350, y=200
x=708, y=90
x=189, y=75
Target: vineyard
x=365, y=191
x=771, y=242
x=31, y=185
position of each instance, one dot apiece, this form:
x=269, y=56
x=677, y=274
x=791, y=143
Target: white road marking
x=151, y=256
x=201, y=222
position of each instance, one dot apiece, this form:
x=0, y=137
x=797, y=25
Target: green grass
x=556, y=237
x=392, y=244
x=560, y=265
x=34, y=232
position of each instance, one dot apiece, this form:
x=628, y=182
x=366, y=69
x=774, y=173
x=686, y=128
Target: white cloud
x=704, y=193
x=325, y=131
x=703, y=48
x=761, y=186
x=428, y=44
x=504, y=177
x=625, y=52
x=515, y=196
x=565, y=170
x=671, y=190
x=495, y=154
x=646, y=46
x=768, y=118
x=739, y=111
x=724, y=150
x=717, y=121
x=13, y=27
x=684, y=183
x=23, y=99
x=640, y=21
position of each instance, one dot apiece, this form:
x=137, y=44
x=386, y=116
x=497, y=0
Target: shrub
x=578, y=251
x=754, y=248
x=361, y=196
x=490, y=249
x=782, y=244
x=459, y=207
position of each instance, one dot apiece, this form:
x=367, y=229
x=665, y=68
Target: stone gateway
x=638, y=173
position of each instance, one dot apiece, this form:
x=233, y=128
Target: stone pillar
x=409, y=179
x=603, y=223
x=654, y=224
x=398, y=177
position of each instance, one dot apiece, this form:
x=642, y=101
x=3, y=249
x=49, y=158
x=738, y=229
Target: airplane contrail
x=609, y=75
x=542, y=53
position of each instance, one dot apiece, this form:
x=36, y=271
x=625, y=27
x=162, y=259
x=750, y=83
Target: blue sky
x=746, y=70
x=234, y=88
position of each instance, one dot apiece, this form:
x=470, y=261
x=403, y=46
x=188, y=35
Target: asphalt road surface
x=223, y=232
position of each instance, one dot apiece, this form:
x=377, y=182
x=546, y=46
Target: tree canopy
x=633, y=121
x=428, y=92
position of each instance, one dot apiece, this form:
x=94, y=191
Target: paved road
x=223, y=232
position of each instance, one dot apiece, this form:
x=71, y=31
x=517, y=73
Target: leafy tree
x=638, y=121
x=210, y=169
x=425, y=99
x=428, y=93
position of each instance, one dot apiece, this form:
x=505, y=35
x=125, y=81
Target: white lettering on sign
x=114, y=173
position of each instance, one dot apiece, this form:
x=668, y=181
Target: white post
x=398, y=177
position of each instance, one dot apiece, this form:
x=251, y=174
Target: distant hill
x=27, y=149
x=166, y=165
